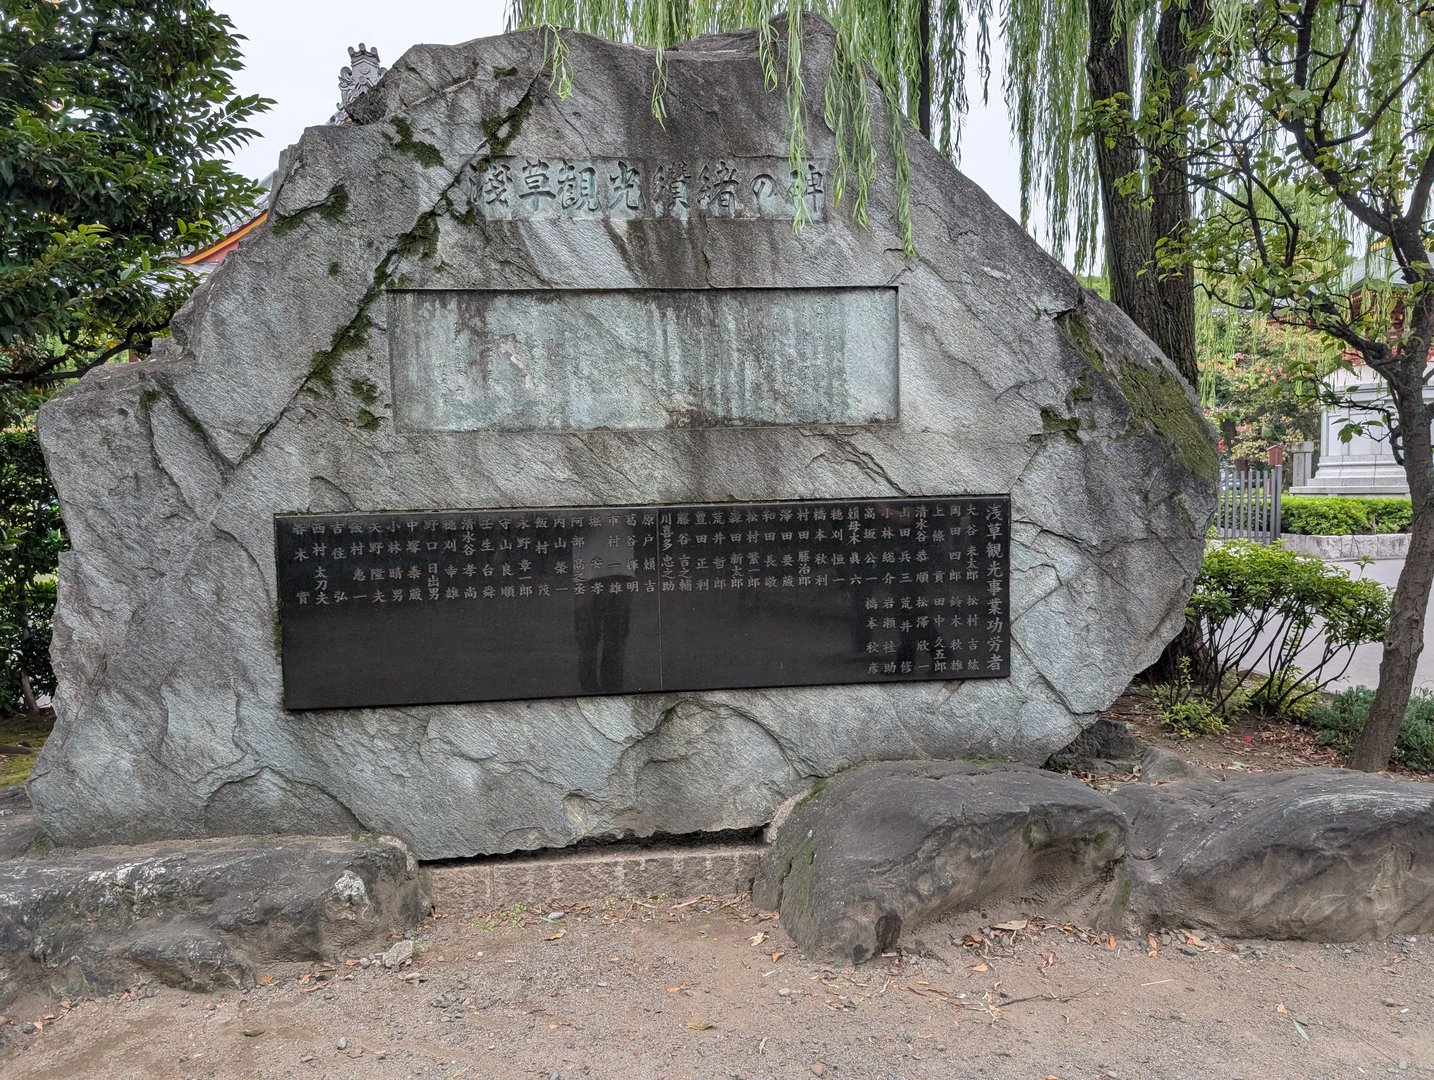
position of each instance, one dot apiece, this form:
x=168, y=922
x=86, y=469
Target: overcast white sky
x=296, y=47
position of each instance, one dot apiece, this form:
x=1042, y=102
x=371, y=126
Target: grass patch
x=27, y=734
x=1340, y=720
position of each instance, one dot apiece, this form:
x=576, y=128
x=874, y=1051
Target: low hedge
x=1343, y=515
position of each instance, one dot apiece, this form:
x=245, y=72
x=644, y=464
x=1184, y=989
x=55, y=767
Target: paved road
x=1364, y=668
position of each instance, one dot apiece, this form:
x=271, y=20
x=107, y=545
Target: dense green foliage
x=1342, y=718
x=1343, y=515
x=31, y=538
x=1255, y=607
x=1259, y=381
x=112, y=116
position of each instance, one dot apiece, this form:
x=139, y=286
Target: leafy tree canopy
x=112, y=113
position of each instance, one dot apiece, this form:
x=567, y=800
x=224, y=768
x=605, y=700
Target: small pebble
x=818, y=1069
x=343, y=1044
x=28, y=1028
x=784, y=992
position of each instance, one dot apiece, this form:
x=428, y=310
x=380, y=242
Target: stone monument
x=529, y=477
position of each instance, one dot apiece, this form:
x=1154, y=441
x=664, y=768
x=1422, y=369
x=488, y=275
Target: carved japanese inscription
x=525, y=360
x=414, y=608
x=537, y=186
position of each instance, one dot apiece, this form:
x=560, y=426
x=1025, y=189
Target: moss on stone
x=147, y=398
x=365, y=389
x=334, y=269
x=346, y=339
x=1073, y=324
x=1053, y=423
x=332, y=207
x=422, y=239
x=504, y=72
x=818, y=786
x=1157, y=396
x=426, y=154
x=367, y=420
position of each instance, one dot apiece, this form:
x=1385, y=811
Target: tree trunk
x=1405, y=641
x=1129, y=246
x=32, y=706
x=1178, y=36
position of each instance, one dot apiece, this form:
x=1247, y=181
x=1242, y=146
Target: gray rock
x=398, y=953
x=1312, y=854
x=290, y=384
x=886, y=846
x=1158, y=764
x=1104, y=747
x=199, y=916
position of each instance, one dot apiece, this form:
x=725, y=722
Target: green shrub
x=1277, y=695
x=1183, y=712
x=1194, y=717
x=1294, y=616
x=1341, y=720
x=1342, y=515
x=31, y=537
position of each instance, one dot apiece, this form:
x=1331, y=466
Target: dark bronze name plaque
x=414, y=608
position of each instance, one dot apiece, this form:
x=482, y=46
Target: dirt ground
x=686, y=987
x=712, y=989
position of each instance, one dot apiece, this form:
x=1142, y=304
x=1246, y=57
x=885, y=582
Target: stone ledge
x=559, y=877
x=1375, y=546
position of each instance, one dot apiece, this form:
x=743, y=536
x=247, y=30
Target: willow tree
x=1129, y=58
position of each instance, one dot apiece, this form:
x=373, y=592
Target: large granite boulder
x=322, y=368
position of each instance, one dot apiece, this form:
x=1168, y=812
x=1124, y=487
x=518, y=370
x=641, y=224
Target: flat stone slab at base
x=197, y=916
x=557, y=877
x=1309, y=854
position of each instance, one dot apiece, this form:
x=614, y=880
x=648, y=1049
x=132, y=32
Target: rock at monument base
x=1309, y=854
x=886, y=846
x=1104, y=747
x=311, y=374
x=199, y=917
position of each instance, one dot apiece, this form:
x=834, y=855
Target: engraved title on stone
x=516, y=188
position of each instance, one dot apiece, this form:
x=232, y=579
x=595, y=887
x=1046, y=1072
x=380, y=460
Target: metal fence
x=1249, y=507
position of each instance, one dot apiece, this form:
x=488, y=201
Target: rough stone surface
x=1313, y=854
x=886, y=846
x=1104, y=747
x=198, y=916
x=276, y=393
x=1310, y=854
